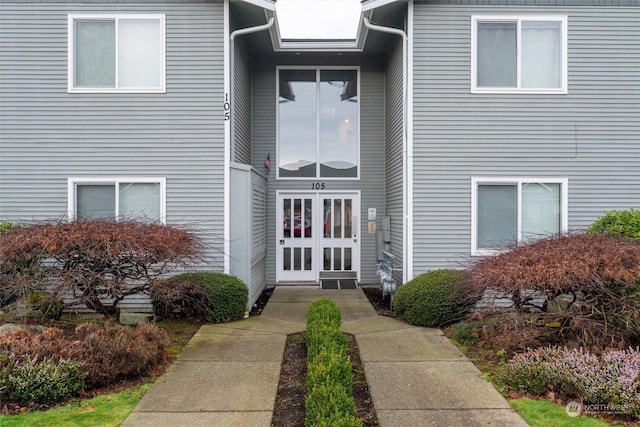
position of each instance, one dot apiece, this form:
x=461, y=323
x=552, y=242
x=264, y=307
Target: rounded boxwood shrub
x=435, y=298
x=225, y=296
x=618, y=223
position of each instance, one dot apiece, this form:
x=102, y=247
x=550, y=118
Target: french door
x=316, y=232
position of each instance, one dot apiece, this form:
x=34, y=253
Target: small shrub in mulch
x=624, y=224
x=435, y=298
x=92, y=356
x=217, y=297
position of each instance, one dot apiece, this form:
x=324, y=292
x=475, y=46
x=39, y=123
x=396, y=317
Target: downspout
x=405, y=207
x=232, y=70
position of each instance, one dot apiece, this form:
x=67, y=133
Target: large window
x=507, y=211
x=318, y=123
x=519, y=54
x=118, y=198
x=116, y=53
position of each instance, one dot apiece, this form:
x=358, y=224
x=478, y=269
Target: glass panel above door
x=318, y=123
x=338, y=123
x=297, y=118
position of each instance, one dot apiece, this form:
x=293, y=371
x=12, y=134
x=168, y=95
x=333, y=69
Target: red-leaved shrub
x=92, y=263
x=108, y=353
x=600, y=273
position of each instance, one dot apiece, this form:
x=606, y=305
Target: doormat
x=339, y=284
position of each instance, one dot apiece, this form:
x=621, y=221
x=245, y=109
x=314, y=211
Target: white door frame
x=317, y=237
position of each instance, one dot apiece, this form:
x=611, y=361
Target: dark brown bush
x=602, y=274
x=93, y=263
x=108, y=353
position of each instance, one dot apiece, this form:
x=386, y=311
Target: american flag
x=267, y=162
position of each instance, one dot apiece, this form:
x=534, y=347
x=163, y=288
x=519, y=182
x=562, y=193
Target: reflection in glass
x=540, y=210
x=347, y=258
x=297, y=259
x=286, y=223
x=337, y=214
x=338, y=123
x=96, y=201
x=497, y=215
x=139, y=200
x=307, y=218
x=337, y=258
x=327, y=258
x=297, y=123
x=327, y=217
x=347, y=218
x=286, y=259
x=307, y=259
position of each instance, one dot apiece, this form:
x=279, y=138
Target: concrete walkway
x=228, y=373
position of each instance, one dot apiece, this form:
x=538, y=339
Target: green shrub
x=5, y=226
x=329, y=367
x=330, y=406
x=434, y=298
x=46, y=381
x=329, y=401
x=225, y=296
x=618, y=223
x=324, y=311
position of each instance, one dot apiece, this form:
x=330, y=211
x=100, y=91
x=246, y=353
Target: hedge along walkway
x=228, y=374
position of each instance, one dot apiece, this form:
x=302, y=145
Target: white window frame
x=72, y=18
x=318, y=69
x=476, y=181
x=73, y=182
x=475, y=19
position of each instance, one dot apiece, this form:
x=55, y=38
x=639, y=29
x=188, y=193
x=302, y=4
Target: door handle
x=282, y=242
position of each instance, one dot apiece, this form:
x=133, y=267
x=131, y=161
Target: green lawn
x=542, y=413
x=108, y=410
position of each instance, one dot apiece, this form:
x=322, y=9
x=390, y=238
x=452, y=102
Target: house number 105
x=317, y=186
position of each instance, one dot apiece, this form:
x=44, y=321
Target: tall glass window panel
x=297, y=149
x=541, y=54
x=496, y=63
x=541, y=210
x=95, y=202
x=497, y=224
x=338, y=123
x=139, y=53
x=139, y=201
x=95, y=53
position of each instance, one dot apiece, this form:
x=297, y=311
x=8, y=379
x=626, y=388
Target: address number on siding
x=317, y=186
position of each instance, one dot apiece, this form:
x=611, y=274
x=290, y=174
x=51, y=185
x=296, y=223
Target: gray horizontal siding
x=48, y=135
x=394, y=123
x=591, y=135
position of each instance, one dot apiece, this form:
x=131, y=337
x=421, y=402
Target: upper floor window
x=519, y=54
x=318, y=121
x=116, y=53
x=511, y=210
x=117, y=198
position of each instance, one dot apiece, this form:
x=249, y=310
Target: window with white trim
x=141, y=199
x=523, y=54
x=511, y=210
x=318, y=123
x=116, y=53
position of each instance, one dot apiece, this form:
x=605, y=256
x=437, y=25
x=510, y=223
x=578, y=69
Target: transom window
x=318, y=123
x=507, y=211
x=519, y=54
x=116, y=53
x=141, y=199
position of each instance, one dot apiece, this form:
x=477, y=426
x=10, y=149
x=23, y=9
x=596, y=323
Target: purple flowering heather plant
x=612, y=380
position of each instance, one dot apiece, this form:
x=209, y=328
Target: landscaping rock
x=134, y=318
